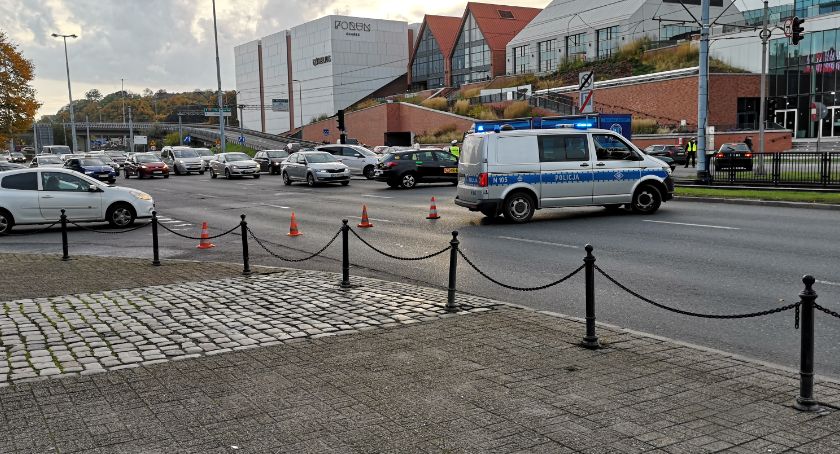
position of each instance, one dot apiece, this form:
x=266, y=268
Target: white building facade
x=318, y=68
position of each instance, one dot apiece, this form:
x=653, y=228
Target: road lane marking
x=183, y=225
x=372, y=219
x=721, y=227
x=206, y=196
x=277, y=206
x=837, y=284
x=376, y=196
x=547, y=243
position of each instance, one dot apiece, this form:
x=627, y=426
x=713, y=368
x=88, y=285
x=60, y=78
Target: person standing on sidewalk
x=748, y=142
x=691, y=153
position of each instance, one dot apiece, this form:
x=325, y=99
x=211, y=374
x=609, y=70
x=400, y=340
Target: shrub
x=644, y=126
x=172, y=139
x=518, y=109
x=462, y=107
x=436, y=103
x=471, y=93
x=364, y=105
x=481, y=112
x=411, y=100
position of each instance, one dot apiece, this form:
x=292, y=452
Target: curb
x=766, y=203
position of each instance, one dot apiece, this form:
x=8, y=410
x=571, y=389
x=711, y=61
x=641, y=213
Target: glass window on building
x=471, y=59
x=677, y=32
x=606, y=41
x=811, y=8
x=576, y=47
x=427, y=70
x=520, y=59
x=547, y=55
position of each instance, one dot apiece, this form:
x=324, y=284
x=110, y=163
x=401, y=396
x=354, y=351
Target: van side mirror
x=93, y=188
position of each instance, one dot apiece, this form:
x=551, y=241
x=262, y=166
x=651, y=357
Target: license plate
x=450, y=170
x=158, y=172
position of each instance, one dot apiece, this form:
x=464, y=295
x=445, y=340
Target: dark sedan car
x=269, y=160
x=407, y=168
x=733, y=156
x=92, y=167
x=145, y=165
x=674, y=152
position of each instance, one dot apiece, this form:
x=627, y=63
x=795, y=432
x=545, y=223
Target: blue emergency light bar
x=620, y=123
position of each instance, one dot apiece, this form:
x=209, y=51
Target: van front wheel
x=519, y=207
x=646, y=200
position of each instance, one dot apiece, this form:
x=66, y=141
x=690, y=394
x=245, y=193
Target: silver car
x=182, y=160
x=314, y=167
x=46, y=161
x=234, y=165
x=360, y=160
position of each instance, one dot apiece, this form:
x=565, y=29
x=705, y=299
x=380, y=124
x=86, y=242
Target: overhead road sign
x=214, y=112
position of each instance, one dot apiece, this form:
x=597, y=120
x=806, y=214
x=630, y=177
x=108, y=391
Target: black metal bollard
x=246, y=267
x=345, y=254
x=64, y=249
x=591, y=339
x=453, y=273
x=155, y=252
x=805, y=401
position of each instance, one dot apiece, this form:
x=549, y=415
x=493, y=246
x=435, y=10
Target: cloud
x=167, y=44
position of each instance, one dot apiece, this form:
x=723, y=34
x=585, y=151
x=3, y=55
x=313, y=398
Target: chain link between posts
x=396, y=257
x=32, y=232
x=115, y=232
x=198, y=237
x=521, y=289
x=697, y=314
x=827, y=311
x=275, y=255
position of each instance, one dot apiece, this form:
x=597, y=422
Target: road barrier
x=791, y=168
x=804, y=309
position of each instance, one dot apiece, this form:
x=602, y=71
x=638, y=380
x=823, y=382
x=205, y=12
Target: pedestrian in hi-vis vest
x=454, y=149
x=691, y=153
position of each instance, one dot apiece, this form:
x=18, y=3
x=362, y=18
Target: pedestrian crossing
x=175, y=224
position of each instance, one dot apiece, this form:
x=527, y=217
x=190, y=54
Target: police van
x=515, y=172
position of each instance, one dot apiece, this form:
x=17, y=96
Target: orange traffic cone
x=205, y=238
x=365, y=224
x=433, y=214
x=293, y=228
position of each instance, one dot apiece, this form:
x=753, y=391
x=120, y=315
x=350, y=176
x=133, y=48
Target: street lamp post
x=300, y=97
x=219, y=79
x=69, y=91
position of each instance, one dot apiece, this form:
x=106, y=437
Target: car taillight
x=719, y=155
x=749, y=155
x=391, y=164
x=483, y=180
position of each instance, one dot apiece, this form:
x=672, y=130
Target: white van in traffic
x=515, y=172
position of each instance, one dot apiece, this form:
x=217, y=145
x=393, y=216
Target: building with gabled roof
x=431, y=63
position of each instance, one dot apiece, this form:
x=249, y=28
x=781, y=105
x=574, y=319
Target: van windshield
x=471, y=151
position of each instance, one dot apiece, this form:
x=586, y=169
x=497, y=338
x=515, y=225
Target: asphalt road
x=710, y=258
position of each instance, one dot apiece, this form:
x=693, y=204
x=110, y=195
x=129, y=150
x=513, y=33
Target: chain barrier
x=34, y=231
x=697, y=314
x=827, y=311
x=107, y=231
x=273, y=254
x=521, y=289
x=396, y=257
x=160, y=224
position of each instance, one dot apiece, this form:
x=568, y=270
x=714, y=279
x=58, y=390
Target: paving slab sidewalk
x=492, y=379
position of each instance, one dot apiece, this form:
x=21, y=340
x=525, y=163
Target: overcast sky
x=168, y=44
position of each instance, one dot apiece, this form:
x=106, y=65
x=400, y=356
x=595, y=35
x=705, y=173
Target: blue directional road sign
x=187, y=139
x=241, y=140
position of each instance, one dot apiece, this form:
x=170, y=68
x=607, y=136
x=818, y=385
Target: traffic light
x=341, y=120
x=796, y=30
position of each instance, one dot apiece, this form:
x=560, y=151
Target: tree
x=93, y=95
x=17, y=97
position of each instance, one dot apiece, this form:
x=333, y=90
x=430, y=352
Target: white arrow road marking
x=694, y=225
x=547, y=243
x=837, y=284
x=376, y=196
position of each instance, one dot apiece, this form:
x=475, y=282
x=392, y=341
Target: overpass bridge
x=202, y=132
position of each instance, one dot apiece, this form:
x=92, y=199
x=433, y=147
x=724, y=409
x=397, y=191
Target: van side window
x=563, y=148
x=610, y=148
x=517, y=150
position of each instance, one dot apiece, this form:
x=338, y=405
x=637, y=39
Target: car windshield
x=115, y=154
x=320, y=158
x=232, y=157
x=277, y=154
x=17, y=155
x=60, y=149
x=92, y=162
x=144, y=158
x=203, y=152
x=49, y=160
x=735, y=147
x=185, y=154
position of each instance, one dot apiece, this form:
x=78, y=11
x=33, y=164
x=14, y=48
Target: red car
x=145, y=165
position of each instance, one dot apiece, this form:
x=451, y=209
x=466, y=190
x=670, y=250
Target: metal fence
x=807, y=169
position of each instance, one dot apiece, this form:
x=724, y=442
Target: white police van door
x=565, y=170
x=516, y=164
x=617, y=169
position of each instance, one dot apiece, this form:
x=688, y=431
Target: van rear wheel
x=519, y=207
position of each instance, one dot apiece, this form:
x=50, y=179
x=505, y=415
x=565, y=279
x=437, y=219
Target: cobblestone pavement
x=505, y=380
x=119, y=329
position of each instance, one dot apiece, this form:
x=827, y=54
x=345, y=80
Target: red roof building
x=431, y=63
x=485, y=30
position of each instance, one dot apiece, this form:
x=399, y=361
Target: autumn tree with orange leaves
x=17, y=97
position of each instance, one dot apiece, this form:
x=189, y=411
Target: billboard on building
x=280, y=105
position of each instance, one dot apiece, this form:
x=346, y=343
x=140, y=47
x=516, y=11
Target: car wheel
x=112, y=181
x=393, y=184
x=120, y=215
x=6, y=222
x=201, y=172
x=345, y=183
x=408, y=180
x=213, y=174
x=310, y=180
x=166, y=176
x=126, y=175
x=368, y=172
x=519, y=207
x=177, y=172
x=227, y=174
x=646, y=200
x=286, y=180
x=256, y=176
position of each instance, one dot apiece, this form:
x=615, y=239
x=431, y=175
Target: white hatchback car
x=37, y=196
x=359, y=159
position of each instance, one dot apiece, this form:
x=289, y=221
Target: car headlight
x=165, y=167
x=180, y=162
x=88, y=172
x=144, y=167
x=140, y=195
x=275, y=163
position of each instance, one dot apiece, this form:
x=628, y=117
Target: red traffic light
x=796, y=30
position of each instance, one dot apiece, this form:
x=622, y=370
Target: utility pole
x=300, y=97
x=122, y=91
x=180, y=134
x=87, y=133
x=241, y=127
x=762, y=112
x=703, y=93
x=219, y=79
x=35, y=137
x=130, y=132
x=69, y=91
